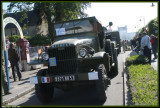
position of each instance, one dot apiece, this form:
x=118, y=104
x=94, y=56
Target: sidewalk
x=20, y=88
x=154, y=63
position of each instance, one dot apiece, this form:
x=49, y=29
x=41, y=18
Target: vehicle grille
x=64, y=67
x=66, y=60
x=62, y=54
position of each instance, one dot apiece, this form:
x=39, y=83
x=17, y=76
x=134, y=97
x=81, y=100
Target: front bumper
x=64, y=78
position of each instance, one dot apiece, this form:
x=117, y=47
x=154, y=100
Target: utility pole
x=5, y=53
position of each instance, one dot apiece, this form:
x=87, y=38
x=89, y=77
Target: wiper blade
x=73, y=28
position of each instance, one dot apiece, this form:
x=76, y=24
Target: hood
x=70, y=42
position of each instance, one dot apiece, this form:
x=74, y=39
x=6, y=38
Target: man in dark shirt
x=139, y=41
x=13, y=58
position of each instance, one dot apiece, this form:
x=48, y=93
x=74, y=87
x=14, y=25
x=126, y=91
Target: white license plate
x=64, y=78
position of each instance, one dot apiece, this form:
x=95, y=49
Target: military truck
x=114, y=36
x=78, y=57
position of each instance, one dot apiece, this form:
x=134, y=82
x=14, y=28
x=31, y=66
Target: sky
x=124, y=14
x=121, y=14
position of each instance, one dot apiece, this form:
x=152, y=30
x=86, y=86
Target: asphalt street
x=84, y=95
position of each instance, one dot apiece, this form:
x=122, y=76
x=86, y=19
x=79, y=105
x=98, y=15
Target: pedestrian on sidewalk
x=154, y=45
x=139, y=41
x=146, y=46
x=124, y=44
x=5, y=82
x=13, y=58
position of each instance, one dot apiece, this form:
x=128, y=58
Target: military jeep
x=114, y=36
x=79, y=56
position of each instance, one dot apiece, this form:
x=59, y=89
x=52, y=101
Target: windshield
x=113, y=38
x=73, y=27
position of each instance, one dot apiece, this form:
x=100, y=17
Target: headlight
x=45, y=56
x=82, y=52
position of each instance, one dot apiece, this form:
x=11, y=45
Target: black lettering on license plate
x=64, y=78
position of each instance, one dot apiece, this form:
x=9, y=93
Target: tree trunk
x=51, y=28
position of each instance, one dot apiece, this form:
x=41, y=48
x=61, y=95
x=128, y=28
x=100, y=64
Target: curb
x=124, y=94
x=11, y=99
x=126, y=91
x=125, y=86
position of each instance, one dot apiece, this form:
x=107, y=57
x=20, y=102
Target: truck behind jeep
x=114, y=36
x=80, y=55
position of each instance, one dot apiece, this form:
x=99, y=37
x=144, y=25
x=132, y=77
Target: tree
x=153, y=27
x=68, y=11
x=52, y=11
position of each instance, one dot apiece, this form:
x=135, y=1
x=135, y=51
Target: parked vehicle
x=114, y=36
x=79, y=56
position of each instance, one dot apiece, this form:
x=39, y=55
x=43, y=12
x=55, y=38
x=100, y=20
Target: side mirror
x=110, y=23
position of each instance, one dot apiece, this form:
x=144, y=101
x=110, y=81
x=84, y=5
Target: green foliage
x=135, y=60
x=143, y=85
x=153, y=27
x=69, y=10
x=39, y=40
x=14, y=38
x=142, y=30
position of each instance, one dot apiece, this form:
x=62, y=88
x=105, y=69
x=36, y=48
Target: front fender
x=99, y=55
x=91, y=63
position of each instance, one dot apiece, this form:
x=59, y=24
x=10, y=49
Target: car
x=78, y=57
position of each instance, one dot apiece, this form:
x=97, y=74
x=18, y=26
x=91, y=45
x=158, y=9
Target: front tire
x=114, y=69
x=108, y=49
x=101, y=85
x=44, y=92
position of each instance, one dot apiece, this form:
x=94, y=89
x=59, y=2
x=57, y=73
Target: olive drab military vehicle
x=113, y=47
x=114, y=36
x=80, y=55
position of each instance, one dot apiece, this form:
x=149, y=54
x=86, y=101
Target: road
x=83, y=95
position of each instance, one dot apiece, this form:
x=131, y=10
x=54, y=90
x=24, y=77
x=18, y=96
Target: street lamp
x=143, y=20
x=152, y=5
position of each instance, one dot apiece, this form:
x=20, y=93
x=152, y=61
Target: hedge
x=143, y=85
x=136, y=60
x=142, y=81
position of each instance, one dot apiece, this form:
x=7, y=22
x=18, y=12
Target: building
x=124, y=35
x=123, y=32
x=34, y=24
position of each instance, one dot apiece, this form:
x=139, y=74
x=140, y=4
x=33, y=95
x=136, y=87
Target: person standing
x=146, y=46
x=133, y=43
x=139, y=41
x=124, y=45
x=5, y=82
x=13, y=58
x=154, y=46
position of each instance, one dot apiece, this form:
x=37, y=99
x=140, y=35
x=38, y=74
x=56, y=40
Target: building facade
x=34, y=24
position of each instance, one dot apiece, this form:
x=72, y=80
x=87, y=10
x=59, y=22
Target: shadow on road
x=77, y=96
